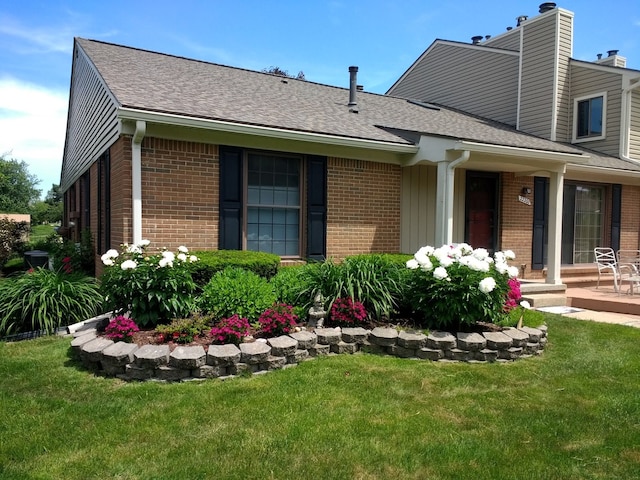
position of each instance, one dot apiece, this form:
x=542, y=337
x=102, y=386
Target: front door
x=481, y=210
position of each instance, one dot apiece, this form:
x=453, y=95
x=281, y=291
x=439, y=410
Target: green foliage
x=81, y=256
x=154, y=287
x=42, y=212
x=13, y=265
x=235, y=291
x=184, y=330
x=213, y=261
x=17, y=186
x=530, y=317
x=46, y=300
x=289, y=286
x=12, y=237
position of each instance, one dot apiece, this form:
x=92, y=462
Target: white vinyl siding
x=418, y=207
x=634, y=133
x=92, y=124
x=479, y=82
x=590, y=82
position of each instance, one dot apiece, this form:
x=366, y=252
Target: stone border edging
x=128, y=361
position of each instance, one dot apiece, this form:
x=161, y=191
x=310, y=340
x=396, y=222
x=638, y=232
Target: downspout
x=136, y=179
x=625, y=121
x=451, y=166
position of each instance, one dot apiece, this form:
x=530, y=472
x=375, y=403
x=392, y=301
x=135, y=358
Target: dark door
x=481, y=210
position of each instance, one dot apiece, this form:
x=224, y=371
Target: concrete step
x=530, y=287
x=537, y=300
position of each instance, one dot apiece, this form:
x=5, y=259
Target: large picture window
x=273, y=204
x=589, y=118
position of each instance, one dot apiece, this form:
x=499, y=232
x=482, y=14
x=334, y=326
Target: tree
x=283, y=73
x=49, y=210
x=54, y=196
x=17, y=186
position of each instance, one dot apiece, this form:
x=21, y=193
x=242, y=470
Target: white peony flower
x=107, y=261
x=112, y=253
x=427, y=250
x=170, y=256
x=193, y=258
x=509, y=255
x=480, y=253
x=525, y=304
x=502, y=267
x=133, y=249
x=440, y=273
x=512, y=272
x=128, y=265
x=183, y=249
x=427, y=266
x=487, y=285
x=182, y=257
x=421, y=257
x=165, y=262
x=478, y=265
x=412, y=264
x=143, y=243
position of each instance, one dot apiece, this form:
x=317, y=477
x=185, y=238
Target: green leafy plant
x=231, y=330
x=12, y=238
x=278, y=320
x=290, y=286
x=121, y=329
x=452, y=287
x=236, y=291
x=183, y=330
x=213, y=261
x=154, y=287
x=45, y=300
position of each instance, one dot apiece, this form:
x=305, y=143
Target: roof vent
x=487, y=37
x=521, y=19
x=509, y=28
x=477, y=39
x=611, y=53
x=353, y=88
x=545, y=7
x=599, y=55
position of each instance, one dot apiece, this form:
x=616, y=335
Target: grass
x=572, y=413
x=39, y=233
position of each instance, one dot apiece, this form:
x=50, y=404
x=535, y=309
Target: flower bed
x=129, y=361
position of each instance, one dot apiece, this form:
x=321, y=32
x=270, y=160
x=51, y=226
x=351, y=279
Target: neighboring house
x=466, y=147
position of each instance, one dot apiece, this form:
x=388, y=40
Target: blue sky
x=320, y=38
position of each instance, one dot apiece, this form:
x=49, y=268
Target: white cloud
x=33, y=122
x=37, y=40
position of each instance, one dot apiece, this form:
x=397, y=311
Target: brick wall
x=630, y=220
x=517, y=222
x=363, y=207
x=121, y=207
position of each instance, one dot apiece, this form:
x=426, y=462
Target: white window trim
x=574, y=134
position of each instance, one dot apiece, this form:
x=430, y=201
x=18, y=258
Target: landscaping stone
x=534, y=334
x=305, y=339
x=402, y=352
x=188, y=358
x=328, y=336
x=113, y=370
x=531, y=348
x=78, y=342
x=208, y=371
x=355, y=335
x=237, y=369
x=544, y=329
x=92, y=350
x=224, y=355
x=458, y=355
x=171, y=374
x=372, y=348
x=497, y=340
x=343, y=347
x=486, y=355
x=283, y=346
x=384, y=336
x=119, y=354
x=274, y=363
x=152, y=356
x=297, y=357
x=136, y=372
x=430, y=354
x=471, y=341
x=519, y=337
x=411, y=340
x=80, y=333
x=254, y=353
x=510, y=353
x=441, y=341
x=319, y=350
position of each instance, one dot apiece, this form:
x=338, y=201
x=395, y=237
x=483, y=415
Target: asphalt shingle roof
x=164, y=83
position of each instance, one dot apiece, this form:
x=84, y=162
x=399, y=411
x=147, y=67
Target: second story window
x=589, y=117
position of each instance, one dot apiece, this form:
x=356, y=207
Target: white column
x=554, y=241
x=136, y=179
x=441, y=205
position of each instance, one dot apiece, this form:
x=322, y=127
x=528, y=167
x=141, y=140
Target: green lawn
x=572, y=413
x=39, y=233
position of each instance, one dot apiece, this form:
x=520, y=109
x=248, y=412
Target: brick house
x=180, y=151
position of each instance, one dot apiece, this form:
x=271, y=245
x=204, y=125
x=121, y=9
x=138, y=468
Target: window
x=589, y=117
x=273, y=204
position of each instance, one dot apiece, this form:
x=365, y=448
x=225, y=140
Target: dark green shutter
x=538, y=250
x=616, y=216
x=316, y=208
x=230, y=199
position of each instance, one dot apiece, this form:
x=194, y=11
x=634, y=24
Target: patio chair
x=629, y=268
x=607, y=263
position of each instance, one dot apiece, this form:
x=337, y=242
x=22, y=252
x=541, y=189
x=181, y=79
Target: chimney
x=353, y=88
x=477, y=39
x=611, y=53
x=599, y=55
x=521, y=19
x=545, y=7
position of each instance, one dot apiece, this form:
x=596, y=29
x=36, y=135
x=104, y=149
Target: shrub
x=457, y=286
x=44, y=300
x=291, y=285
x=121, y=328
x=278, y=320
x=211, y=262
x=12, y=238
x=71, y=256
x=346, y=312
x=231, y=330
x=153, y=287
x=236, y=291
x=183, y=330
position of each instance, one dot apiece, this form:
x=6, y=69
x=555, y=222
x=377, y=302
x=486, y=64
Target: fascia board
x=559, y=157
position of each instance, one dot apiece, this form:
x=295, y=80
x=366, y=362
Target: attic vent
x=477, y=39
x=611, y=53
x=545, y=7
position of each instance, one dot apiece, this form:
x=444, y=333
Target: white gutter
x=126, y=113
x=625, y=121
x=560, y=157
x=136, y=179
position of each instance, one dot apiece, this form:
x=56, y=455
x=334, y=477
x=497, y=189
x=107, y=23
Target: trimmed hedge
x=213, y=261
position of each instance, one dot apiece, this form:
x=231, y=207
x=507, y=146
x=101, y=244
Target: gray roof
x=169, y=84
